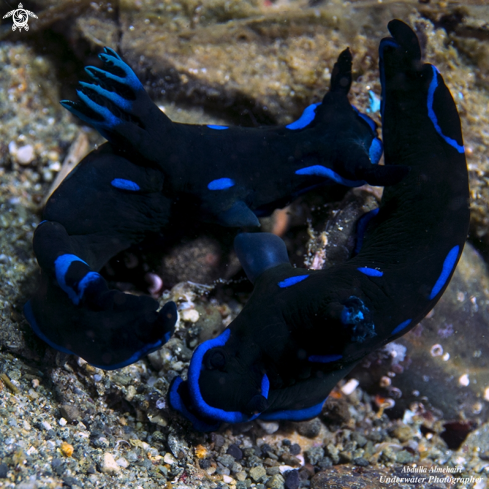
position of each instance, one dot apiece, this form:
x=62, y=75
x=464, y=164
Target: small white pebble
x=486, y=394
x=285, y=468
x=446, y=357
x=46, y=425
x=189, y=315
x=26, y=425
x=350, y=386
x=122, y=462
x=109, y=465
x=464, y=380
x=35, y=383
x=169, y=459
x=62, y=422
x=25, y=154
x=228, y=480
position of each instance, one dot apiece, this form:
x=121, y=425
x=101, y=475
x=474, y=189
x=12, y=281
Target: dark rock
x=325, y=463
x=295, y=449
x=362, y=462
x=235, y=451
x=218, y=440
x=292, y=479
x=336, y=412
x=71, y=481
x=310, y=428
x=286, y=442
x=58, y=466
x=289, y=459
x=205, y=463
x=3, y=471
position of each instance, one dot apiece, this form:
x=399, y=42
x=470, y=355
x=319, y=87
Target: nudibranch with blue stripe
x=123, y=192
x=306, y=329
x=236, y=173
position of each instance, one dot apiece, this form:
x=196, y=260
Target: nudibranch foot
x=107, y=328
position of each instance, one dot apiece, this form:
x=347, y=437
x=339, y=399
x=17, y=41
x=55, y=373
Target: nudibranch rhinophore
x=303, y=330
x=123, y=192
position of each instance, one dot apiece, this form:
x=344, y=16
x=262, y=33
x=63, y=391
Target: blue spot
x=265, y=386
x=217, y=128
x=375, y=151
x=292, y=281
x=61, y=265
x=432, y=115
x=448, y=265
x=402, y=326
x=324, y=358
x=194, y=389
x=460, y=95
x=220, y=184
x=350, y=316
x=322, y=171
x=177, y=404
x=371, y=272
x=124, y=184
x=294, y=414
x=374, y=102
x=305, y=119
x=362, y=227
x=366, y=118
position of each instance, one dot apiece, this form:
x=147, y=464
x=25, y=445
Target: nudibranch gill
x=303, y=330
x=123, y=193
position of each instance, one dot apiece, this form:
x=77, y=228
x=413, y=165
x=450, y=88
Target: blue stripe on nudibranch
x=294, y=415
x=366, y=118
x=322, y=171
x=399, y=328
x=362, y=227
x=123, y=184
x=305, y=119
x=292, y=281
x=324, y=358
x=61, y=265
x=375, y=151
x=193, y=382
x=217, y=128
x=448, y=265
x=432, y=115
x=221, y=184
x=371, y=272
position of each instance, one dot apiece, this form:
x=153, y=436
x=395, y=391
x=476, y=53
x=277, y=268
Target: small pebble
x=292, y=480
x=295, y=449
x=235, y=452
x=66, y=448
x=62, y=421
x=3, y=471
x=109, y=465
x=25, y=154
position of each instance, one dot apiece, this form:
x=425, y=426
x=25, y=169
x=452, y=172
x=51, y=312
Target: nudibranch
x=302, y=330
x=123, y=192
